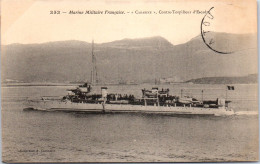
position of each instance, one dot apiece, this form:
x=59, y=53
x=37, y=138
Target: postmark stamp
x=210, y=41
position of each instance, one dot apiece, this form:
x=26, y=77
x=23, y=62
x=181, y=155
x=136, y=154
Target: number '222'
x=54, y=12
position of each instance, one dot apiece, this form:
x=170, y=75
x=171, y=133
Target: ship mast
x=94, y=67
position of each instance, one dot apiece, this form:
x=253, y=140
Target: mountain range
x=130, y=60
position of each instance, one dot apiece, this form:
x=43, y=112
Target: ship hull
x=124, y=108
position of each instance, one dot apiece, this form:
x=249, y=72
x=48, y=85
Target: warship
x=155, y=101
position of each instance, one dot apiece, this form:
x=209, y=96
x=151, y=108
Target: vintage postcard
x=129, y=81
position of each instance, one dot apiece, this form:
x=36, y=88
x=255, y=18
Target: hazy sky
x=30, y=21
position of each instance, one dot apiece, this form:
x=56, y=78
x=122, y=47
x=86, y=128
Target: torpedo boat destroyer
x=82, y=99
x=155, y=101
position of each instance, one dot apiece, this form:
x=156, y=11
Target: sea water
x=76, y=137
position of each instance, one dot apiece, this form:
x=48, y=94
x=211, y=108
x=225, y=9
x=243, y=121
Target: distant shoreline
x=37, y=84
x=77, y=84
x=249, y=79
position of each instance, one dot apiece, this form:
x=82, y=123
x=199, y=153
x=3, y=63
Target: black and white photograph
x=129, y=81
